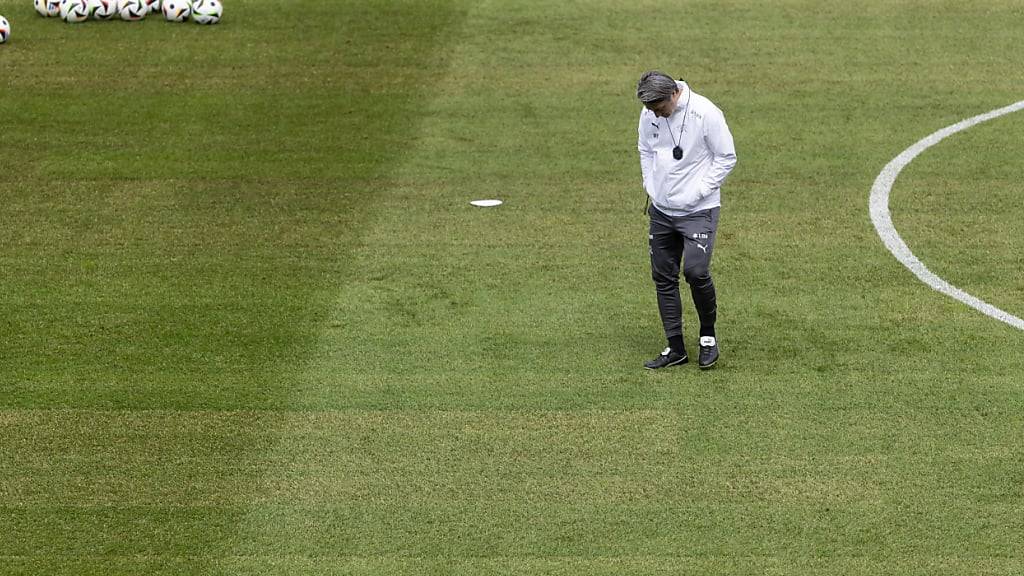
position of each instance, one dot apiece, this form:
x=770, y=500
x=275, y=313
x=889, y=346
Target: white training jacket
x=681, y=187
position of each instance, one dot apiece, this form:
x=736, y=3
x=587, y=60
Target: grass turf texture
x=251, y=324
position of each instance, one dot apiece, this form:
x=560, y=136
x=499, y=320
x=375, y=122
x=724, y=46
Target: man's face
x=664, y=108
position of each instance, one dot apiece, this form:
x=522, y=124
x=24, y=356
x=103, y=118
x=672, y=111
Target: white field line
x=879, y=207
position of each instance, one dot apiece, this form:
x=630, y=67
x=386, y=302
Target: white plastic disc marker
x=486, y=203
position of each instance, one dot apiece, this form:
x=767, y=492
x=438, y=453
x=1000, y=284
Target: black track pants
x=690, y=240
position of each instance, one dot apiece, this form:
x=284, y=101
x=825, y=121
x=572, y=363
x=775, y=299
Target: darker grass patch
x=173, y=243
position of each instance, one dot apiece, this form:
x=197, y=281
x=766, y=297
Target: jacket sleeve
x=719, y=142
x=646, y=156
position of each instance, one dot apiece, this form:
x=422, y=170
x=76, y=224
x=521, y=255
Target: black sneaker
x=667, y=358
x=708, y=352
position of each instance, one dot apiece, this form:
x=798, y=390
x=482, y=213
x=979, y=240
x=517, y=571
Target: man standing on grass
x=686, y=151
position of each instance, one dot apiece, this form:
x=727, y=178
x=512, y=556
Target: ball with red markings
x=47, y=8
x=74, y=11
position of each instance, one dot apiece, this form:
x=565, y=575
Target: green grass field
x=249, y=323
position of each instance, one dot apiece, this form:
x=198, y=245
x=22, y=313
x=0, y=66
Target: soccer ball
x=103, y=9
x=47, y=7
x=73, y=11
x=176, y=10
x=5, y=29
x=153, y=5
x=132, y=10
x=207, y=11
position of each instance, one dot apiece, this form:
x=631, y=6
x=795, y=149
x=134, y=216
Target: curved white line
x=879, y=206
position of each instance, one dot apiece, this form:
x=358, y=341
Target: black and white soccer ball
x=103, y=9
x=132, y=10
x=207, y=11
x=5, y=30
x=75, y=11
x=176, y=10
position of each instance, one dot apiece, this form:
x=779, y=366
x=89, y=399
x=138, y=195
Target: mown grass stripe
x=781, y=565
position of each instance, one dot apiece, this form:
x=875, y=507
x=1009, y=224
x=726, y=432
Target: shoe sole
x=708, y=366
x=676, y=363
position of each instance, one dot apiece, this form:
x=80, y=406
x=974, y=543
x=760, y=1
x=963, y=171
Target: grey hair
x=655, y=86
